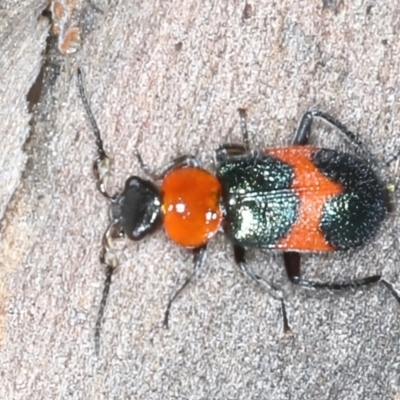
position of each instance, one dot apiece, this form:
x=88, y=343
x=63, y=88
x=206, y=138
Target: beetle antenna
x=101, y=170
x=100, y=315
x=101, y=166
x=109, y=259
x=96, y=130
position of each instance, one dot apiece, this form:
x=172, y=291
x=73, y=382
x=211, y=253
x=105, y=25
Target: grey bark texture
x=167, y=78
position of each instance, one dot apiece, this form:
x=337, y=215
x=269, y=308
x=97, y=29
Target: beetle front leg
x=186, y=160
x=199, y=255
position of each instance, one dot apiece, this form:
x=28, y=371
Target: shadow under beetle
x=291, y=199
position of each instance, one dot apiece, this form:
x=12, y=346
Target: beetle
x=187, y=204
x=301, y=198
x=291, y=199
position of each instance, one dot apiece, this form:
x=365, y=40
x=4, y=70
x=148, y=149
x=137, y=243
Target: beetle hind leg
x=275, y=292
x=292, y=265
x=303, y=131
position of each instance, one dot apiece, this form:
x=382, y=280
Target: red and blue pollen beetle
x=187, y=204
x=301, y=199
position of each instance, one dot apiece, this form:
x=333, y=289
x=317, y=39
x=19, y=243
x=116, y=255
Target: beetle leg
x=229, y=150
x=243, y=128
x=391, y=289
x=180, y=162
x=303, y=132
x=199, y=255
x=240, y=258
x=292, y=265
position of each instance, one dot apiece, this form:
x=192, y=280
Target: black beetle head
x=138, y=208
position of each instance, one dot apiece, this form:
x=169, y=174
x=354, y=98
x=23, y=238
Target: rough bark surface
x=167, y=78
